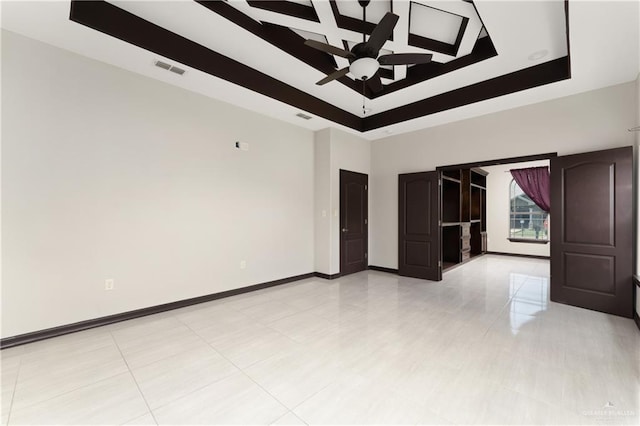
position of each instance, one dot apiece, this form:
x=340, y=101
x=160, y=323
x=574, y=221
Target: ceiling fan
x=363, y=57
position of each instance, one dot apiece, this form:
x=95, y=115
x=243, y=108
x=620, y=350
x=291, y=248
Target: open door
x=353, y=222
x=592, y=231
x=418, y=225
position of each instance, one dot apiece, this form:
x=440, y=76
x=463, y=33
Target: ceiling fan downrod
x=364, y=4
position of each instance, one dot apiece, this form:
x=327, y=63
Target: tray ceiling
x=481, y=50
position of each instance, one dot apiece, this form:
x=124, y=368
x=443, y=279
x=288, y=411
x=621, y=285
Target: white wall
x=322, y=209
x=334, y=150
x=637, y=201
x=107, y=174
x=498, y=186
x=589, y=121
x=348, y=152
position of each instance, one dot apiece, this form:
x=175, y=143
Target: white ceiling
x=605, y=44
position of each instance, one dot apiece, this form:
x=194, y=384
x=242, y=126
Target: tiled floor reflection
x=484, y=346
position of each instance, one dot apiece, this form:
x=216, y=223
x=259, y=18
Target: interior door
x=418, y=225
x=353, y=222
x=592, y=231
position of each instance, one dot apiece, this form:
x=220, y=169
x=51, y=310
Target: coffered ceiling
x=487, y=55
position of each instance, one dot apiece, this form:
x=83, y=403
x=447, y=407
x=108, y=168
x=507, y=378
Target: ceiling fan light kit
x=363, y=57
x=364, y=68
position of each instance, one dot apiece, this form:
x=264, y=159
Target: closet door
x=418, y=225
x=592, y=231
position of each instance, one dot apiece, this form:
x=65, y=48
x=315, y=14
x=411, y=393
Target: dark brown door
x=353, y=222
x=591, y=231
x=418, y=227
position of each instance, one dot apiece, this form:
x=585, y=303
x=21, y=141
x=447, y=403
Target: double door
x=592, y=229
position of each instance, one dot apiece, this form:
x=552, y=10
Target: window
x=527, y=221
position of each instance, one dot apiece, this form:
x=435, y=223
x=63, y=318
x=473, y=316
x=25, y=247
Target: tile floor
x=484, y=346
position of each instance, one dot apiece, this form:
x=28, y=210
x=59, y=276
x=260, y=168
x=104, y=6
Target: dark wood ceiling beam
x=538, y=75
x=118, y=23
x=484, y=49
x=284, y=39
x=286, y=8
x=351, y=24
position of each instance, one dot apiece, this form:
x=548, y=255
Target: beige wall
x=335, y=150
x=498, y=185
x=589, y=121
x=637, y=201
x=322, y=205
x=107, y=174
x=348, y=152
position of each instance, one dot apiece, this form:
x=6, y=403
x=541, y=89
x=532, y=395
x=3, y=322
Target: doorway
x=591, y=243
x=354, y=226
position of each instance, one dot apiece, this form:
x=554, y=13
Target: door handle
x=344, y=229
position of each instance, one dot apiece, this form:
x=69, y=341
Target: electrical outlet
x=108, y=284
x=243, y=264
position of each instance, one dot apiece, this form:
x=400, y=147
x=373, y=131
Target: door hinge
x=439, y=263
x=365, y=255
x=365, y=221
x=365, y=187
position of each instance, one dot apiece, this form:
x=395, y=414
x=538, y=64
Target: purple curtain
x=536, y=183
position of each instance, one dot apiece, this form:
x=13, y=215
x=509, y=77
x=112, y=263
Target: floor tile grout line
x=241, y=371
x=181, y=351
x=69, y=391
x=507, y=303
x=201, y=387
x=292, y=413
x=238, y=331
x=134, y=378
x=257, y=322
x=15, y=386
x=72, y=390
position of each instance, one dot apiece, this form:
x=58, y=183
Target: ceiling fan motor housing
x=363, y=57
x=361, y=50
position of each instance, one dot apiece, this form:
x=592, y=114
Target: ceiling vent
x=304, y=116
x=163, y=65
x=169, y=67
x=177, y=70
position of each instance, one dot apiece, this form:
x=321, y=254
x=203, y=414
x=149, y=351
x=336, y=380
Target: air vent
x=177, y=70
x=304, y=116
x=169, y=67
x=163, y=65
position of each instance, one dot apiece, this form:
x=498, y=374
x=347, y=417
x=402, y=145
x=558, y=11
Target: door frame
x=497, y=162
x=342, y=217
x=509, y=160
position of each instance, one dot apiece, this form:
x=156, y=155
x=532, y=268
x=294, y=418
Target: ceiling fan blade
x=327, y=48
x=374, y=83
x=382, y=32
x=405, y=58
x=333, y=76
